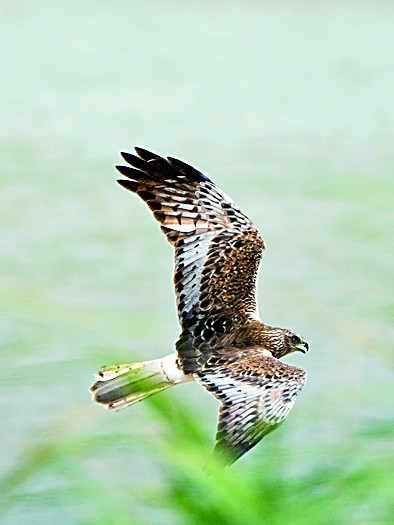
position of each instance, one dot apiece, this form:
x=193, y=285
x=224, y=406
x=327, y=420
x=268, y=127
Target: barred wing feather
x=217, y=249
x=256, y=395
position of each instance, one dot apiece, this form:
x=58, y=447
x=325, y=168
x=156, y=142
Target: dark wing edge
x=255, y=400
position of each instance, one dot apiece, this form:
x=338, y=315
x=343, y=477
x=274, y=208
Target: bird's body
x=223, y=343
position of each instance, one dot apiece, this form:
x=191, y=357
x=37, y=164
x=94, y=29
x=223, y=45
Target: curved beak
x=303, y=346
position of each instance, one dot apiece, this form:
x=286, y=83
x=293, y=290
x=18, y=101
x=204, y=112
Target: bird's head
x=283, y=341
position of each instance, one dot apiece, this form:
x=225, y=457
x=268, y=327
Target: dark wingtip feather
x=146, y=154
x=128, y=184
x=188, y=170
x=128, y=172
x=133, y=160
x=154, y=167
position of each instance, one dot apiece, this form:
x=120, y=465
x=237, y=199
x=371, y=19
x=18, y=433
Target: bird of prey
x=223, y=344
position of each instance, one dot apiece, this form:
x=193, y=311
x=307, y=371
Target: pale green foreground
x=288, y=108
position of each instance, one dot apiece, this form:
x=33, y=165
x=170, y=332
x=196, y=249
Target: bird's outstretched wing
x=256, y=393
x=217, y=249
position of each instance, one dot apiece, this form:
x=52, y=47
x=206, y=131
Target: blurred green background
x=288, y=106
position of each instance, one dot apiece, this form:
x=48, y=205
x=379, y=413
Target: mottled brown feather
x=256, y=393
x=217, y=250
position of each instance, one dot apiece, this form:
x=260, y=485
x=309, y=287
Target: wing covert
x=217, y=249
x=256, y=392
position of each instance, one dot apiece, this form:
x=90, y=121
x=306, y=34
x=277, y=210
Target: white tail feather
x=119, y=386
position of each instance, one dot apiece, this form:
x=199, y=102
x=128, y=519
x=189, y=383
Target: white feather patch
x=172, y=372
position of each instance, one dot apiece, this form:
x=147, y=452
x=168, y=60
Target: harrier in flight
x=223, y=344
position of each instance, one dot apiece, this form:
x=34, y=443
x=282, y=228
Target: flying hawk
x=223, y=344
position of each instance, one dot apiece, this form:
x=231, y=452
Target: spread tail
x=119, y=386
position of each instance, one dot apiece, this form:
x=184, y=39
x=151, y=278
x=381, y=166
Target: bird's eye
x=295, y=339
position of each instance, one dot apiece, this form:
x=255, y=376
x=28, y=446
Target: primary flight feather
x=223, y=344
